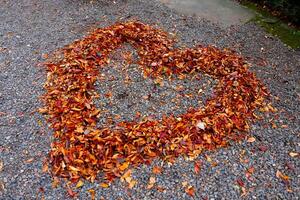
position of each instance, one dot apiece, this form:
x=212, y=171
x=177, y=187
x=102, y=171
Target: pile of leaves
x=81, y=150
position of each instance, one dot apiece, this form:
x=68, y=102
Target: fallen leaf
x=184, y=183
x=79, y=129
x=124, y=166
x=240, y=182
x=160, y=188
x=29, y=160
x=126, y=175
x=71, y=193
x=79, y=184
x=55, y=182
x=132, y=184
x=249, y=172
x=244, y=191
x=208, y=158
x=282, y=176
x=157, y=170
x=190, y=191
x=293, y=154
x=151, y=182
x=92, y=193
x=251, y=139
x=1, y=165
x=2, y=186
x=197, y=165
x=201, y=125
x=263, y=148
x=104, y=185
x=45, y=167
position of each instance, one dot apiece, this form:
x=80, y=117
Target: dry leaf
x=79, y=184
x=157, y=170
x=151, y=182
x=71, y=193
x=104, y=185
x=282, y=176
x=201, y=125
x=29, y=160
x=124, y=166
x=184, y=183
x=293, y=154
x=45, y=167
x=251, y=139
x=79, y=152
x=132, y=184
x=1, y=165
x=92, y=193
x=197, y=165
x=190, y=191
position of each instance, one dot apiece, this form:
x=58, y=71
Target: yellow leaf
x=126, y=175
x=124, y=166
x=184, y=183
x=104, y=185
x=79, y=129
x=79, y=184
x=74, y=168
x=132, y=184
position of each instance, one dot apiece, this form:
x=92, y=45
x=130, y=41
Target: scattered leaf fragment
x=55, y=182
x=2, y=186
x=124, y=166
x=293, y=154
x=184, y=183
x=29, y=160
x=263, y=147
x=151, y=182
x=201, y=125
x=71, y=193
x=92, y=193
x=79, y=184
x=157, y=170
x=282, y=176
x=190, y=191
x=1, y=165
x=197, y=166
x=104, y=185
x=132, y=183
x=251, y=139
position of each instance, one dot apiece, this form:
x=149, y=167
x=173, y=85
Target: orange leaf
x=282, y=176
x=190, y=191
x=197, y=167
x=251, y=139
x=124, y=166
x=104, y=185
x=157, y=170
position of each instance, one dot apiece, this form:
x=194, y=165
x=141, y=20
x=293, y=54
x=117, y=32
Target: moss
x=288, y=35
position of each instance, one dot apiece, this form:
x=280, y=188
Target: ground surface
x=30, y=28
x=223, y=12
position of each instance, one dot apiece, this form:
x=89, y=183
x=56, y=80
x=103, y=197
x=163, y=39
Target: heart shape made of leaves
x=80, y=149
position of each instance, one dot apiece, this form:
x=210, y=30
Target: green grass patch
x=288, y=35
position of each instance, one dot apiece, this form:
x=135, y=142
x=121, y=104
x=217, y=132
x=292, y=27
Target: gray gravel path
x=30, y=28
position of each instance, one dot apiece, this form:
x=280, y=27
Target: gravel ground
x=30, y=28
